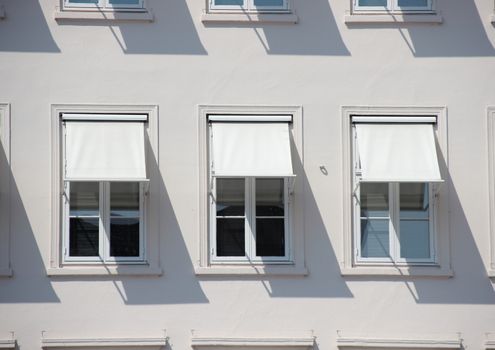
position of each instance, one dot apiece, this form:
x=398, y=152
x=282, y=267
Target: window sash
x=104, y=4
x=104, y=228
x=249, y=6
x=249, y=226
x=393, y=6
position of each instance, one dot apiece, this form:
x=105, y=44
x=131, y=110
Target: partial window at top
x=249, y=5
x=394, y=5
x=105, y=4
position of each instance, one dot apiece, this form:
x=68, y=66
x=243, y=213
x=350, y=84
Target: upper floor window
x=396, y=173
x=105, y=4
x=394, y=6
x=249, y=5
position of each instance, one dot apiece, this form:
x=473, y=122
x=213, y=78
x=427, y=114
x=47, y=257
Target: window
x=396, y=212
x=394, y=5
x=5, y=178
x=249, y=5
x=105, y=4
x=107, y=203
x=251, y=211
x=251, y=173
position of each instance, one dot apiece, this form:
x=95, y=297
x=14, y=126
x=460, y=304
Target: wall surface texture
x=178, y=63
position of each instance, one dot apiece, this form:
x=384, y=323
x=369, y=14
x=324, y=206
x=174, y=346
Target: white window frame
x=104, y=5
x=297, y=265
x=351, y=266
x=491, y=181
x=250, y=225
x=150, y=263
x=5, y=187
x=104, y=226
x=393, y=7
x=248, y=6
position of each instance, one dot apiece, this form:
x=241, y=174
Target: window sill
x=274, y=18
x=7, y=344
x=393, y=18
x=230, y=270
x=291, y=342
x=128, y=270
x=492, y=19
x=148, y=343
x=7, y=272
x=2, y=12
x=357, y=343
x=114, y=16
x=397, y=271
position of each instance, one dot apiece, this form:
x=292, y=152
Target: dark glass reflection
x=269, y=197
x=124, y=199
x=230, y=197
x=124, y=237
x=374, y=199
x=230, y=237
x=83, y=237
x=270, y=237
x=84, y=198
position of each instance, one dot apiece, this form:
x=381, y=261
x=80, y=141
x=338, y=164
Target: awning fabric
x=251, y=149
x=105, y=151
x=397, y=153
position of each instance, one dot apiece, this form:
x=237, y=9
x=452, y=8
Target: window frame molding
x=5, y=206
x=491, y=186
x=151, y=264
x=204, y=265
x=348, y=266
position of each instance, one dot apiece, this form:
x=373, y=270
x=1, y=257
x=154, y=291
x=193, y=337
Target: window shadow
x=461, y=34
x=316, y=33
x=25, y=29
x=25, y=254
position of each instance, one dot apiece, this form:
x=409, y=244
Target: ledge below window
x=393, y=18
x=7, y=344
x=492, y=18
x=127, y=270
x=144, y=343
x=406, y=272
x=250, y=271
x=274, y=18
x=114, y=16
x=6, y=272
x=451, y=342
x=2, y=12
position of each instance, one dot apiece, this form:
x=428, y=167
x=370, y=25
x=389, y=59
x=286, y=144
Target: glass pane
x=414, y=239
x=229, y=2
x=83, y=237
x=413, y=3
x=374, y=238
x=124, y=199
x=269, y=197
x=270, y=237
x=83, y=1
x=230, y=237
x=414, y=201
x=123, y=2
x=272, y=3
x=382, y=3
x=230, y=197
x=84, y=198
x=374, y=199
x=124, y=237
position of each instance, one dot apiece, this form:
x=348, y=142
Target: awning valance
x=105, y=151
x=251, y=149
x=397, y=152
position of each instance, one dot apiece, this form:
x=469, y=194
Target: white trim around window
x=491, y=179
x=293, y=262
x=5, y=189
x=144, y=263
x=438, y=264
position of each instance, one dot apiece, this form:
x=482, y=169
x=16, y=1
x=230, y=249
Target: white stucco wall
x=178, y=63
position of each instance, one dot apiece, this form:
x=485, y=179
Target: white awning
x=397, y=153
x=105, y=151
x=251, y=149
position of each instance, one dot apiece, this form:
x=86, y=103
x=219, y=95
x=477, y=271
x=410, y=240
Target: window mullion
x=394, y=208
x=250, y=205
x=104, y=221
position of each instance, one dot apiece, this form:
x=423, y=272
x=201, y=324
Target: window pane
x=228, y=2
x=372, y=3
x=414, y=239
x=272, y=3
x=124, y=199
x=375, y=238
x=374, y=199
x=230, y=197
x=269, y=197
x=124, y=237
x=83, y=1
x=123, y=2
x=84, y=198
x=413, y=3
x=230, y=237
x=414, y=201
x=83, y=237
x=270, y=237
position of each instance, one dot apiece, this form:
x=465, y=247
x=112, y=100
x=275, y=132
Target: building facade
x=247, y=174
